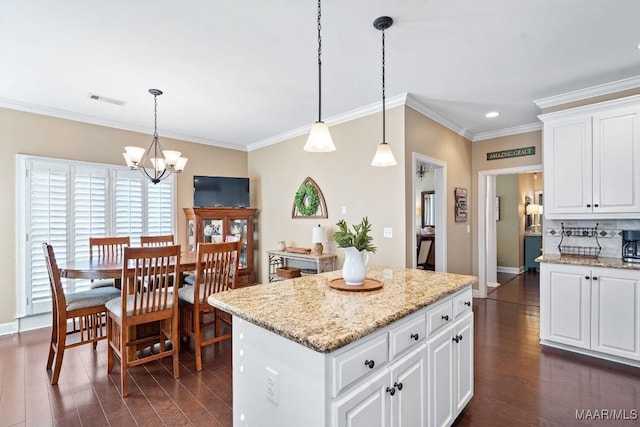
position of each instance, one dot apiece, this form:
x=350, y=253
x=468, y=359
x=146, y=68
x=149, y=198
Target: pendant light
x=384, y=156
x=319, y=140
x=164, y=162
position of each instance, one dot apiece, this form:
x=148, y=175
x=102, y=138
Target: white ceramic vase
x=354, y=269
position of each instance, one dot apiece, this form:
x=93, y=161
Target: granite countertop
x=306, y=310
x=586, y=261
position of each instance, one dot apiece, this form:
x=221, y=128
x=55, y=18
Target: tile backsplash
x=609, y=235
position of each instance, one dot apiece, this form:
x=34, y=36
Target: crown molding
x=590, y=92
x=516, y=130
x=331, y=121
x=437, y=117
x=85, y=118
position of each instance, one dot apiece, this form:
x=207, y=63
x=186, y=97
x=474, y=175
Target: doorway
x=437, y=171
x=487, y=239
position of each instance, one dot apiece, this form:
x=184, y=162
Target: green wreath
x=307, y=200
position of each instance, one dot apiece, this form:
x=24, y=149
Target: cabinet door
x=463, y=363
x=615, y=312
x=567, y=155
x=616, y=161
x=565, y=302
x=366, y=406
x=440, y=379
x=409, y=379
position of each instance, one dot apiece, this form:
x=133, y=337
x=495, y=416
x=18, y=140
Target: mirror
x=428, y=209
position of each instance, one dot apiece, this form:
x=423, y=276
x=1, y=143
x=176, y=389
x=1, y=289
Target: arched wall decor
x=308, y=201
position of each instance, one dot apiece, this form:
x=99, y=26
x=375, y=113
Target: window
x=63, y=202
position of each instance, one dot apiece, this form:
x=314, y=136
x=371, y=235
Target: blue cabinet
x=532, y=247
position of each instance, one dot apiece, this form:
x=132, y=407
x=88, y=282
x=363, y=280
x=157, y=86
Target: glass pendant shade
x=319, y=139
x=384, y=156
x=133, y=155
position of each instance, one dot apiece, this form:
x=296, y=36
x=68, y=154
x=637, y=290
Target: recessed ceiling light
x=106, y=99
x=492, y=114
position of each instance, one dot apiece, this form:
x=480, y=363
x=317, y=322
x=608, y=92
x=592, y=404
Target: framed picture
x=461, y=204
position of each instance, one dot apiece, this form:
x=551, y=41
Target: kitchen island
x=307, y=354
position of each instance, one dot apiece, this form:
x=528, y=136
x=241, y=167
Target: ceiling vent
x=106, y=99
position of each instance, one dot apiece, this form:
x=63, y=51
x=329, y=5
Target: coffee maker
x=631, y=245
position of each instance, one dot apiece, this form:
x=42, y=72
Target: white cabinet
x=591, y=308
x=591, y=159
x=565, y=304
x=367, y=406
x=450, y=377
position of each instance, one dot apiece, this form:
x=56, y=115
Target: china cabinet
x=214, y=225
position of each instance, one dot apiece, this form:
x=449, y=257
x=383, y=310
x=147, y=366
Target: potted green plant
x=357, y=245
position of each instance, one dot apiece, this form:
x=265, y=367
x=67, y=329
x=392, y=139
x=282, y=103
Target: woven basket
x=288, y=272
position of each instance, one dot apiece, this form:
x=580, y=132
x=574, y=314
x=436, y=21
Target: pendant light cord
x=319, y=65
x=383, y=93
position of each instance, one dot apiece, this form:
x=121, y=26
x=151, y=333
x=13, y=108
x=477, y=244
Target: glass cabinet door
x=238, y=229
x=213, y=229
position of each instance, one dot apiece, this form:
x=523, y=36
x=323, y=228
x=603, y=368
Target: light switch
x=388, y=232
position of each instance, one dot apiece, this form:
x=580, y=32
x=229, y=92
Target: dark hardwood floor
x=517, y=382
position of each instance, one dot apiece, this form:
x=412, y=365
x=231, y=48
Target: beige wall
x=480, y=163
x=508, y=236
x=26, y=133
x=426, y=137
x=345, y=177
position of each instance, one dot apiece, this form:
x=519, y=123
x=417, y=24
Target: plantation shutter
x=128, y=205
x=160, y=208
x=64, y=202
x=47, y=213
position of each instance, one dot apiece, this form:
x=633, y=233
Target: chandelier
x=164, y=162
x=384, y=155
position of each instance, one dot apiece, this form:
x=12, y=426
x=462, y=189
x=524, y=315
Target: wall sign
x=507, y=154
x=461, y=205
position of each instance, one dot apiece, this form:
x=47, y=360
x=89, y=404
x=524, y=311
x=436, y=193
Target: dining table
x=111, y=268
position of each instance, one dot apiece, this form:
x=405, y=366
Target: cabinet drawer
x=439, y=316
x=462, y=303
x=407, y=334
x=350, y=366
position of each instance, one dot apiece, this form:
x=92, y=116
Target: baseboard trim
x=493, y=284
x=591, y=353
x=28, y=323
x=9, y=328
x=510, y=270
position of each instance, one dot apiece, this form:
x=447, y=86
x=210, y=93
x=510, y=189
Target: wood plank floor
x=517, y=382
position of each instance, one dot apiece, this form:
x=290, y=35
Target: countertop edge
x=588, y=262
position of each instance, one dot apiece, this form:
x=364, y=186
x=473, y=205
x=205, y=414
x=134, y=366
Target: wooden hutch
x=212, y=224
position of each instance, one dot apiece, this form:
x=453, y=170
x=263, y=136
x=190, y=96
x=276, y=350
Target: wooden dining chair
x=138, y=306
x=163, y=240
x=106, y=248
x=78, y=318
x=216, y=271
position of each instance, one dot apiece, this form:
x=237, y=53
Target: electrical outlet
x=272, y=391
x=388, y=232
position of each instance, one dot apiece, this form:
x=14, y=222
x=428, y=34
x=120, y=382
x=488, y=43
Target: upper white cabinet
x=591, y=159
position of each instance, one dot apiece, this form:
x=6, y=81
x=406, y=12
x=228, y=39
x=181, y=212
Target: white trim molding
x=590, y=92
x=516, y=130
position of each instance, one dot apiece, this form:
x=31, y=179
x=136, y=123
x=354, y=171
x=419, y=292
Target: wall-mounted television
x=220, y=191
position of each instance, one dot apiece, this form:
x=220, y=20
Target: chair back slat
x=108, y=247
x=55, y=283
x=146, y=277
x=217, y=269
x=164, y=240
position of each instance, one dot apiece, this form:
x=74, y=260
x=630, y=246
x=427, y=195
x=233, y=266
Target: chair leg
x=124, y=360
x=61, y=342
x=197, y=334
x=175, y=338
x=109, y=344
x=53, y=343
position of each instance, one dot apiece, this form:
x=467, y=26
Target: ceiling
x=242, y=74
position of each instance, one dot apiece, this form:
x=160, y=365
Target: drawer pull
x=415, y=336
x=595, y=278
x=588, y=205
x=587, y=277
x=445, y=317
x=596, y=205
x=398, y=386
x=370, y=363
x=456, y=339
x=391, y=390
x=467, y=303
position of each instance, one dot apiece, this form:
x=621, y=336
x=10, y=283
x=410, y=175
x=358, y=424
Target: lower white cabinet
x=450, y=377
x=394, y=397
x=592, y=309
